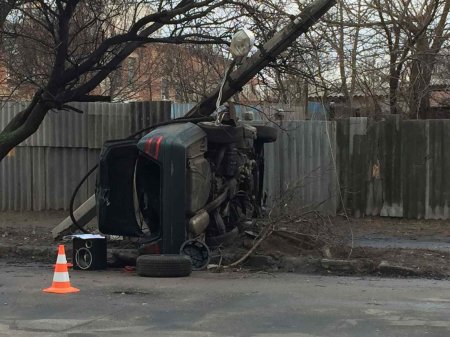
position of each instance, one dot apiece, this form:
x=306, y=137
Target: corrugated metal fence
x=42, y=172
x=299, y=169
x=388, y=168
x=397, y=168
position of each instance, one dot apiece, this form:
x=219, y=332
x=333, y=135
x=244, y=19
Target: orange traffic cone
x=61, y=281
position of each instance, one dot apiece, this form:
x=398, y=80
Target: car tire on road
x=163, y=265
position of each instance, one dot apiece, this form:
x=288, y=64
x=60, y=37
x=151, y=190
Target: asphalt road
x=117, y=303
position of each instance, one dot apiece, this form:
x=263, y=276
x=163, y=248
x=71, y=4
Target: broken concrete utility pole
x=235, y=81
x=267, y=53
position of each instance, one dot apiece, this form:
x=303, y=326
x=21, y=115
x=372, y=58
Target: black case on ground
x=89, y=254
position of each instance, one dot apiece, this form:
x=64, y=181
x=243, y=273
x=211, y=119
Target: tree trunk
x=393, y=88
x=23, y=125
x=419, y=89
x=419, y=93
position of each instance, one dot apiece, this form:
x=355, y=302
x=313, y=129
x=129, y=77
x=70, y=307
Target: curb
x=291, y=264
x=47, y=254
x=38, y=253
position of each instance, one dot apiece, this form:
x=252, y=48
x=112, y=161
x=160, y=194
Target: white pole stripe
x=61, y=277
x=61, y=259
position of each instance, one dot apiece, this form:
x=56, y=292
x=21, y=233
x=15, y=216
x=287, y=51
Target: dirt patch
x=327, y=241
x=29, y=228
x=311, y=238
x=278, y=246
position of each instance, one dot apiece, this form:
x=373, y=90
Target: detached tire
x=163, y=266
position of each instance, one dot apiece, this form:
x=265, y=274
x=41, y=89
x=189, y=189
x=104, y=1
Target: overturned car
x=181, y=181
x=195, y=179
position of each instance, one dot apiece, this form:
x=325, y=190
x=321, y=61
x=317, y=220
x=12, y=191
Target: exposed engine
x=187, y=180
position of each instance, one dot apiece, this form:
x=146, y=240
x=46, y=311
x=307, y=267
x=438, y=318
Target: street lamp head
x=241, y=43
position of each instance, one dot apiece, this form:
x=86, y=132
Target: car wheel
x=163, y=265
x=198, y=252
